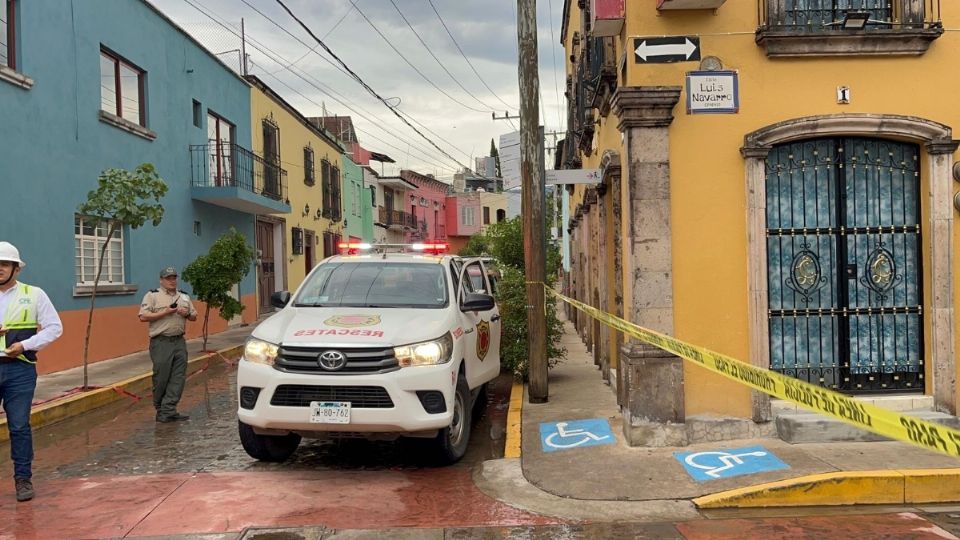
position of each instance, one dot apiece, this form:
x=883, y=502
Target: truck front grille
x=360, y=397
x=360, y=361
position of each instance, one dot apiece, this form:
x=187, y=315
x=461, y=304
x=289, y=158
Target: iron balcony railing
x=817, y=16
x=397, y=218
x=441, y=232
x=219, y=164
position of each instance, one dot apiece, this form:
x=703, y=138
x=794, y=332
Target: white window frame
x=113, y=264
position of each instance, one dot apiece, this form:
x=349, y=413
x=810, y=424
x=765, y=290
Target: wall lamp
x=854, y=20
x=306, y=209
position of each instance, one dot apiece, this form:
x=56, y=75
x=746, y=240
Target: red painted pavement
x=157, y=505
x=903, y=526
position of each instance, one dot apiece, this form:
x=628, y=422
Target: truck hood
x=363, y=327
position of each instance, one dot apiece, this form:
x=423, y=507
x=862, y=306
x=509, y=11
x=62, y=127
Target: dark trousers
x=18, y=380
x=169, y=355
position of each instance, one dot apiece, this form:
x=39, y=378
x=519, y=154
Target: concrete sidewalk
x=656, y=481
x=58, y=395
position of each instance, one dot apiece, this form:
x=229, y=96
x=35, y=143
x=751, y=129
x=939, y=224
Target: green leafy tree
x=122, y=199
x=506, y=245
x=213, y=276
x=494, y=153
x=478, y=245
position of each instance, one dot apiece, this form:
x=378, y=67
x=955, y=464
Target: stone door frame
x=938, y=222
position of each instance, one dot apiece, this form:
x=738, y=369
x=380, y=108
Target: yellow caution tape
x=896, y=426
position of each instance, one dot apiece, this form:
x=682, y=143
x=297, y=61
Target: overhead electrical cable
x=330, y=31
x=556, y=84
x=276, y=58
x=409, y=63
x=449, y=33
x=439, y=63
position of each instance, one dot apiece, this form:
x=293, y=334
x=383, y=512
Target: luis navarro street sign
x=716, y=92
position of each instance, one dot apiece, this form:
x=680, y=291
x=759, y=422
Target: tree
x=478, y=245
x=494, y=153
x=122, y=199
x=506, y=245
x=213, y=275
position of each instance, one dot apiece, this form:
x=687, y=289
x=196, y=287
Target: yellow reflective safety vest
x=20, y=320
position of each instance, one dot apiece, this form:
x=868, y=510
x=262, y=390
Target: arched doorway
x=844, y=263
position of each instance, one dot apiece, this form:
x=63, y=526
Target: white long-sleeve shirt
x=47, y=317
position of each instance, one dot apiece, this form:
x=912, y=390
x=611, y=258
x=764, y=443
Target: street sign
x=573, y=176
x=510, y=159
x=661, y=50
x=716, y=92
x=715, y=464
x=556, y=436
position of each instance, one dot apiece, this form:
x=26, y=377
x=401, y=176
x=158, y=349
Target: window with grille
x=89, y=238
x=8, y=34
x=308, y=172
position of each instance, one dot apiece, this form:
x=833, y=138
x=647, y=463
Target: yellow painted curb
x=512, y=446
x=844, y=488
x=76, y=404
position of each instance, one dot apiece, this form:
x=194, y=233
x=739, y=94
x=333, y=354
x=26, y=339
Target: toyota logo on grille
x=332, y=360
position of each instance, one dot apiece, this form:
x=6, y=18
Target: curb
x=913, y=486
x=512, y=445
x=61, y=409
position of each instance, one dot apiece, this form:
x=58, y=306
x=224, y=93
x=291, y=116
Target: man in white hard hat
x=30, y=323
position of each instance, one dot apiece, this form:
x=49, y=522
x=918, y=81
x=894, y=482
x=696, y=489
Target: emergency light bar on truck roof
x=353, y=248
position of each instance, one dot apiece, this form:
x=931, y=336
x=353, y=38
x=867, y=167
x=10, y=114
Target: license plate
x=330, y=412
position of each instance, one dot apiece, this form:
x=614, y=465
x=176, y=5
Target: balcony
x=791, y=28
x=441, y=232
x=395, y=220
x=233, y=177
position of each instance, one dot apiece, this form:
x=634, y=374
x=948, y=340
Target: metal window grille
x=89, y=238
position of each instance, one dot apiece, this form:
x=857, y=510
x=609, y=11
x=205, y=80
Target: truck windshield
x=387, y=284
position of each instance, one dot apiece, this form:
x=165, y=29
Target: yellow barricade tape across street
x=899, y=427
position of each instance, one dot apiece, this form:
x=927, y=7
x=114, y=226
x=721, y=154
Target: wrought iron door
x=844, y=267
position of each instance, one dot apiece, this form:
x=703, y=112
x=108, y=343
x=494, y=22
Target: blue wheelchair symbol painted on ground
x=556, y=436
x=714, y=464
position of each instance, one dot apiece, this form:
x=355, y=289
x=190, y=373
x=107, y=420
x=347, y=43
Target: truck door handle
x=495, y=318
x=468, y=331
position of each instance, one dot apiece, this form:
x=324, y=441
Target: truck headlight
x=426, y=353
x=260, y=352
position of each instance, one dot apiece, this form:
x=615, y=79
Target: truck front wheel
x=451, y=442
x=273, y=448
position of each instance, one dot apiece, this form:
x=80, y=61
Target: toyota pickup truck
x=372, y=344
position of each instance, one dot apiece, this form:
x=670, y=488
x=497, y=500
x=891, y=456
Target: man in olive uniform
x=167, y=310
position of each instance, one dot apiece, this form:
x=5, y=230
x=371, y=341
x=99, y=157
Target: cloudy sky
x=447, y=101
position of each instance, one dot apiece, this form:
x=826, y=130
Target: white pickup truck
x=376, y=345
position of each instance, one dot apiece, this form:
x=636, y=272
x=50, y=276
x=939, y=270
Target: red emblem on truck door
x=483, y=339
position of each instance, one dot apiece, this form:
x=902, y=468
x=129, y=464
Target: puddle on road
x=123, y=439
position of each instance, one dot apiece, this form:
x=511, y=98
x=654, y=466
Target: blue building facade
x=97, y=84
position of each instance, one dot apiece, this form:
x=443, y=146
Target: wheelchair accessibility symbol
x=714, y=464
x=575, y=434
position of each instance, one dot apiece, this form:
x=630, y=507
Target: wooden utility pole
x=531, y=178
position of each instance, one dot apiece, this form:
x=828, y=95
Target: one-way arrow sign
x=659, y=50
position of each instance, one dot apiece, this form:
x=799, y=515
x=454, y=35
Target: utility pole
x=532, y=198
x=243, y=48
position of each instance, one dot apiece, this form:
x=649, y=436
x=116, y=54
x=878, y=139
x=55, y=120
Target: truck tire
x=272, y=448
x=451, y=443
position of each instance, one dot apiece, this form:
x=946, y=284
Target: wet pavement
x=114, y=472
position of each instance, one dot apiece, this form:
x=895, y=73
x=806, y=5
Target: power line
x=439, y=63
x=273, y=57
x=409, y=63
x=366, y=86
x=449, y=33
x=342, y=67
x=330, y=31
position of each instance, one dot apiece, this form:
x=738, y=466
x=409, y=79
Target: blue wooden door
x=843, y=248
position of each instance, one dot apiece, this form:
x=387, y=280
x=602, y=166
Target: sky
x=448, y=101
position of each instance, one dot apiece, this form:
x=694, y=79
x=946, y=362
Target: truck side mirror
x=280, y=299
x=477, y=302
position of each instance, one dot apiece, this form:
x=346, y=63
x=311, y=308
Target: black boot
x=24, y=489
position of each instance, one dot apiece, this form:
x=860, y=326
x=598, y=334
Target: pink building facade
x=427, y=204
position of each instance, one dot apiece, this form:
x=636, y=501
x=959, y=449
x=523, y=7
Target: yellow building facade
x=290, y=245
x=778, y=186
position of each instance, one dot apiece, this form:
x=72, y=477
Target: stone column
x=611, y=166
x=942, y=317
x=654, y=412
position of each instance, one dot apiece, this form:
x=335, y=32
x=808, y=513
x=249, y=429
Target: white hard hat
x=10, y=253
